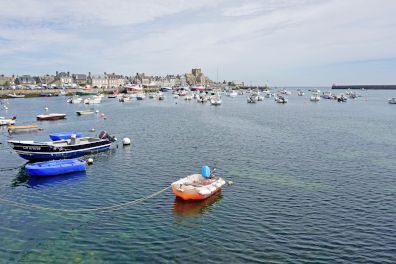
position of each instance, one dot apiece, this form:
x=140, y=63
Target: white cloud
x=248, y=40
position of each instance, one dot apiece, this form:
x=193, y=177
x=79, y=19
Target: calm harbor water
x=314, y=183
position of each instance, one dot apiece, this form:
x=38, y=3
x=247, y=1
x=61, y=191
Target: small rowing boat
x=55, y=167
x=50, y=117
x=198, y=186
x=16, y=95
x=85, y=112
x=25, y=128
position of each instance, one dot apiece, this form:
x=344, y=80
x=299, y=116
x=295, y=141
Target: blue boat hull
x=55, y=167
x=61, y=155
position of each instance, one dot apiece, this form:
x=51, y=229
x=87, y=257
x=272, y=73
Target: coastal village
x=108, y=81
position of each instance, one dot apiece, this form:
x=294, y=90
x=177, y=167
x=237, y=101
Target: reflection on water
x=45, y=181
x=191, y=208
x=23, y=178
x=315, y=183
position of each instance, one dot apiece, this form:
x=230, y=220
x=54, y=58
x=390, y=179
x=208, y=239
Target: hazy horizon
x=279, y=43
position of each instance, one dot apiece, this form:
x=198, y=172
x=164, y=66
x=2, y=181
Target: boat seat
x=74, y=141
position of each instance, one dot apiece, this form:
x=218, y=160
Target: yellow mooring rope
x=87, y=210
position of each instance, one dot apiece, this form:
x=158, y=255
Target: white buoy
x=230, y=183
x=126, y=141
x=90, y=161
x=92, y=130
x=46, y=108
x=97, y=111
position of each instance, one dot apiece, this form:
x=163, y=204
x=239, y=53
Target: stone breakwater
x=366, y=87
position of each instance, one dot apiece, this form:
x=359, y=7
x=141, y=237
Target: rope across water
x=87, y=210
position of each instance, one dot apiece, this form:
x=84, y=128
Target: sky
x=274, y=42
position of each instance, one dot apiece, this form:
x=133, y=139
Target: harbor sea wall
x=366, y=87
x=54, y=92
x=35, y=92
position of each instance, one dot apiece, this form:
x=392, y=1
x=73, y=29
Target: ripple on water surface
x=313, y=183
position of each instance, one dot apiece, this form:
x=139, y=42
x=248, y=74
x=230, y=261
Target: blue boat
x=64, y=135
x=62, y=149
x=46, y=94
x=140, y=97
x=55, y=167
x=166, y=89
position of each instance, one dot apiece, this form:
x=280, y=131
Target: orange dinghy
x=198, y=186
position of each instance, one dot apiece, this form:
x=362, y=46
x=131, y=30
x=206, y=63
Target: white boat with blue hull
x=61, y=149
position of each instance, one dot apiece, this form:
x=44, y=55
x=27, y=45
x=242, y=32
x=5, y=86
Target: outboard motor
x=105, y=135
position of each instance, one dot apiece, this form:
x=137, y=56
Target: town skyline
x=108, y=80
x=279, y=43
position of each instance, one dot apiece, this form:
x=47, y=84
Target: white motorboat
x=140, y=96
x=7, y=121
x=202, y=98
x=392, y=100
x=315, y=90
x=300, y=93
x=232, y=93
x=189, y=96
x=74, y=100
x=215, y=100
x=125, y=98
x=252, y=99
x=93, y=100
x=280, y=99
x=285, y=92
x=327, y=95
x=314, y=97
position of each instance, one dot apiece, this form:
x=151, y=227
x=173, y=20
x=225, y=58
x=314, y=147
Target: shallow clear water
x=314, y=183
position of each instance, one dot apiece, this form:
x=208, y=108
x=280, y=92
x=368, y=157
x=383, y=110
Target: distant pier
x=365, y=87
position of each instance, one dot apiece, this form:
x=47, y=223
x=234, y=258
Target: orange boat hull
x=191, y=196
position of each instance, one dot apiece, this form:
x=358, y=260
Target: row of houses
x=195, y=77
x=107, y=80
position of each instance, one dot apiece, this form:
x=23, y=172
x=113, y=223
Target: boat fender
x=126, y=141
